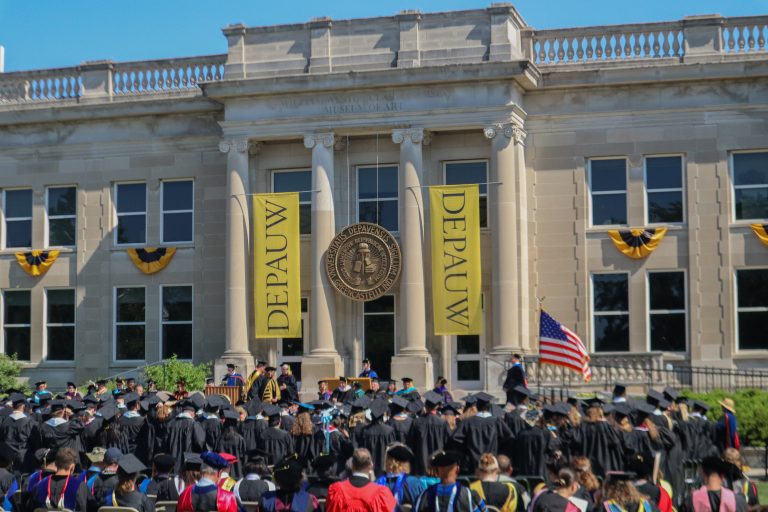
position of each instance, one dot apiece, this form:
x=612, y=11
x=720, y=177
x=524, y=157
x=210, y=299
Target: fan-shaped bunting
x=637, y=243
x=36, y=263
x=151, y=259
x=761, y=232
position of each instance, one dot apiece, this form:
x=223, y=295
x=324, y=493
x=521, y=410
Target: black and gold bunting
x=761, y=232
x=36, y=263
x=151, y=259
x=637, y=243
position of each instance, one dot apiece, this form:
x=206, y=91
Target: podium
x=233, y=393
x=365, y=382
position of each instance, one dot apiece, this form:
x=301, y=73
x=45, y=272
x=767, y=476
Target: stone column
x=323, y=360
x=508, y=221
x=412, y=359
x=236, y=275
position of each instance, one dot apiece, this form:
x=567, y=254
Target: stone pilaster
x=409, y=54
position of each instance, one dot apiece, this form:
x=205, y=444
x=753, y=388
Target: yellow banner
x=277, y=287
x=456, y=276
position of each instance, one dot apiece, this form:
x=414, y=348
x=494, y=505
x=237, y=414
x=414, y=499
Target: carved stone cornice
x=327, y=139
x=415, y=135
x=509, y=130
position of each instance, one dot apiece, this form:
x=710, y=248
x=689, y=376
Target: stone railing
x=105, y=80
x=745, y=35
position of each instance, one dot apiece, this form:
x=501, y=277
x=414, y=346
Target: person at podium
x=368, y=372
x=232, y=378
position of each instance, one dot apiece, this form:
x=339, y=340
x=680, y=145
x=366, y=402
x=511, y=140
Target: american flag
x=560, y=346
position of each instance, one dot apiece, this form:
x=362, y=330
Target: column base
x=315, y=368
x=416, y=366
x=243, y=361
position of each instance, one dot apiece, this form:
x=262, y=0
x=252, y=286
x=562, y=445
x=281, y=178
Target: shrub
x=167, y=374
x=751, y=412
x=10, y=369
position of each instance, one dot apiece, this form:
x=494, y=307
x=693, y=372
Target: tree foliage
x=751, y=412
x=10, y=369
x=167, y=374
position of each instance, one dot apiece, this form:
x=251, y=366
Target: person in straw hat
x=726, y=429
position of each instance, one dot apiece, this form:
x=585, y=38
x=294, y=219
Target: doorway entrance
x=379, y=334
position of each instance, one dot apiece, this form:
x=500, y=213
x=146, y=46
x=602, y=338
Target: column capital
x=509, y=130
x=239, y=144
x=416, y=135
x=327, y=139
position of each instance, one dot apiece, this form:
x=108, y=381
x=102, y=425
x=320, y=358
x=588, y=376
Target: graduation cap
x=192, y=460
x=484, y=398
x=619, y=389
x=713, y=464
x=75, y=405
x=107, y=412
x=469, y=400
x=304, y=407
x=432, y=398
x=641, y=464
x=272, y=410
x=40, y=383
x=345, y=410
x=399, y=403
x=44, y=397
x=655, y=398
x=321, y=404
x=644, y=409
x=231, y=366
x=288, y=471
x=399, y=451
x=228, y=457
x=152, y=400
x=451, y=408
x=197, y=400
x=71, y=385
x=90, y=400
x=620, y=475
x=361, y=403
x=522, y=390
x=17, y=399
x=58, y=405
x=214, y=402
x=270, y=369
x=378, y=408
x=406, y=379
x=444, y=459
x=131, y=465
x=44, y=456
x=671, y=394
x=101, y=382
x=130, y=399
x=415, y=406
x=254, y=407
x=214, y=460
x=698, y=404
x=323, y=461
x=229, y=414
x=595, y=401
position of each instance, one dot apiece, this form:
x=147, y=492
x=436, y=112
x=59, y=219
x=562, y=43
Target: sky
x=58, y=33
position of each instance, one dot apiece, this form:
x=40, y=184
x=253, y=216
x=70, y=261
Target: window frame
x=6, y=218
x=593, y=313
x=163, y=211
x=134, y=214
x=733, y=187
x=590, y=214
x=737, y=310
x=274, y=172
x=487, y=163
x=395, y=344
x=115, y=324
x=396, y=199
x=49, y=217
x=479, y=356
x=47, y=324
x=162, y=322
x=4, y=325
x=649, y=311
x=292, y=360
x=647, y=190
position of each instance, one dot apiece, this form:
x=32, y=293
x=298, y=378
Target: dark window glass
x=385, y=304
x=294, y=346
x=668, y=332
x=297, y=181
x=609, y=209
x=130, y=342
x=468, y=344
x=177, y=227
x=61, y=343
x=61, y=306
x=667, y=290
x=608, y=175
x=131, y=198
x=18, y=203
x=379, y=333
x=61, y=232
x=62, y=201
x=368, y=211
x=17, y=341
x=665, y=207
x=388, y=215
x=377, y=196
x=752, y=333
x=612, y=333
x=131, y=229
x=611, y=292
x=752, y=203
x=387, y=182
x=750, y=169
x=752, y=286
x=17, y=307
x=18, y=233
x=178, y=195
x=177, y=339
x=458, y=173
x=664, y=172
x=366, y=183
x=130, y=304
x=177, y=303
x=468, y=370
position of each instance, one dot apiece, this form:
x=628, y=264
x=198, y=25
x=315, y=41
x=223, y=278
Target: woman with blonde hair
x=588, y=482
x=303, y=432
x=506, y=496
x=397, y=478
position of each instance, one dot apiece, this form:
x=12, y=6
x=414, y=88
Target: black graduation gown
x=134, y=499
x=319, y=489
x=6, y=481
x=233, y=444
x=375, y=437
x=212, y=428
x=601, y=443
x=402, y=427
x=84, y=501
x=251, y=429
x=184, y=435
x=339, y=446
x=205, y=500
x=104, y=483
x=478, y=435
x=428, y=434
x=550, y=501
x=533, y=449
x=138, y=437
x=156, y=482
x=65, y=435
x=639, y=441
x=304, y=447
x=461, y=503
x=703, y=434
x=252, y=490
x=515, y=423
x=343, y=397
x=16, y=433
x=515, y=377
x=277, y=443
x=89, y=437
x=167, y=490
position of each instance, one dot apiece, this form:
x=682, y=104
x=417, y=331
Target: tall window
x=61, y=210
x=292, y=349
x=130, y=323
x=17, y=320
x=379, y=333
x=610, y=312
x=60, y=324
x=178, y=211
x=752, y=308
x=667, y=318
x=469, y=349
x=664, y=188
x=608, y=188
x=131, y=207
x=458, y=173
x=750, y=184
x=377, y=195
x=18, y=218
x=177, y=321
x=297, y=181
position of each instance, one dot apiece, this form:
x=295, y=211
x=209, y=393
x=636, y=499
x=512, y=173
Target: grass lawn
x=762, y=490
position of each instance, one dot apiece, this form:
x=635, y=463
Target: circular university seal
x=363, y=261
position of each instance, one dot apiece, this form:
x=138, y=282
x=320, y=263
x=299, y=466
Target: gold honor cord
x=637, y=243
x=151, y=259
x=36, y=263
x=760, y=232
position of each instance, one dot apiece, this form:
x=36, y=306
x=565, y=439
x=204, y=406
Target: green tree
x=751, y=412
x=168, y=373
x=10, y=369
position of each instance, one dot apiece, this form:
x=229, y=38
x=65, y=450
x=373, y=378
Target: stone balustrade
x=745, y=34
x=166, y=75
x=40, y=85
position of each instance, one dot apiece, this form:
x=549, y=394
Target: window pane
x=61, y=343
x=61, y=232
x=17, y=342
x=18, y=203
x=667, y=290
x=483, y=212
x=130, y=342
x=131, y=197
x=130, y=304
x=177, y=227
x=305, y=219
x=366, y=183
x=177, y=303
x=131, y=229
x=368, y=211
x=752, y=333
x=468, y=344
x=61, y=306
x=387, y=182
x=294, y=346
x=752, y=203
x=459, y=173
x=388, y=215
x=294, y=181
x=750, y=169
x=664, y=172
x=665, y=207
x=611, y=292
x=17, y=307
x=752, y=286
x=668, y=332
x=385, y=304
x=177, y=339
x=608, y=175
x=612, y=333
x=609, y=209
x=18, y=233
x=379, y=332
x=62, y=201
x=177, y=195
x=468, y=370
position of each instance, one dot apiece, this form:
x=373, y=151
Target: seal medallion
x=363, y=261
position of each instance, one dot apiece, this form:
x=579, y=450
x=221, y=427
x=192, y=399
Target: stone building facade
x=570, y=132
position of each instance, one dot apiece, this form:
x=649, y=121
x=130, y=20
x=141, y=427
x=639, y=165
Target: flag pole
x=537, y=332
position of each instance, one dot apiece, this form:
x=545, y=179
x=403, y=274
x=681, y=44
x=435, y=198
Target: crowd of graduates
x=381, y=449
